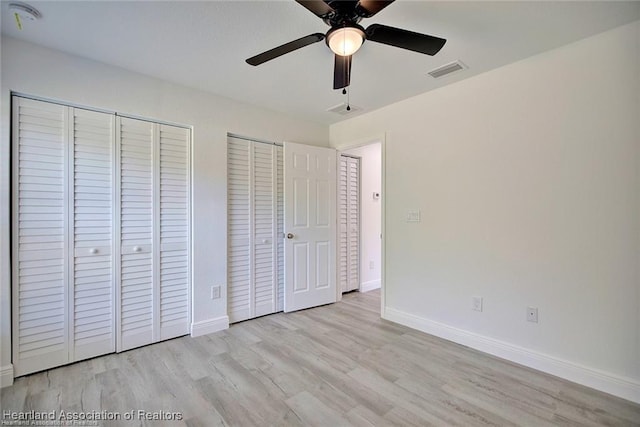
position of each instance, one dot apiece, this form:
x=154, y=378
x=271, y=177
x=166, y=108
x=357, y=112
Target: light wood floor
x=336, y=365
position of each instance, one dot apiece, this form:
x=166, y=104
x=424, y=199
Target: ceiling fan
x=345, y=36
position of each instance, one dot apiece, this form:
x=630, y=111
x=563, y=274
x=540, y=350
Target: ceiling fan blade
x=285, y=48
x=317, y=7
x=405, y=39
x=368, y=8
x=342, y=72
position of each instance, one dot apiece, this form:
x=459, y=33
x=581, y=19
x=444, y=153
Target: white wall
x=370, y=214
x=528, y=181
x=34, y=70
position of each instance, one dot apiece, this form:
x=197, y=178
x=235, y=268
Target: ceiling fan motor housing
x=342, y=17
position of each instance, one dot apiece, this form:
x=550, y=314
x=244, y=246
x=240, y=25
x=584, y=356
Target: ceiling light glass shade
x=345, y=41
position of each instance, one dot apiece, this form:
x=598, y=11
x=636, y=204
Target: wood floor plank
x=360, y=416
x=313, y=412
x=335, y=365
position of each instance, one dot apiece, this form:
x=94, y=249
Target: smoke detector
x=23, y=12
x=446, y=69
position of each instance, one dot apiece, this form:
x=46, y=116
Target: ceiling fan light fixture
x=345, y=41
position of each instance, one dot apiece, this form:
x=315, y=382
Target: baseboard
x=209, y=326
x=370, y=285
x=625, y=388
x=6, y=376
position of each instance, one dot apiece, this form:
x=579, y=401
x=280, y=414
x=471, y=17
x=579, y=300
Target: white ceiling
x=204, y=44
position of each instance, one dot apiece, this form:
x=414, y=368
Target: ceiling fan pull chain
x=348, y=99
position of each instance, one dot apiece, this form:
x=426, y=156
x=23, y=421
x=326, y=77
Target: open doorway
x=360, y=217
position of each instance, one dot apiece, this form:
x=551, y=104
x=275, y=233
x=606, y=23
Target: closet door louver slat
x=40, y=209
x=136, y=236
x=93, y=293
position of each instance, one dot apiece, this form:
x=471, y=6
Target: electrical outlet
x=532, y=314
x=476, y=303
x=371, y=265
x=215, y=292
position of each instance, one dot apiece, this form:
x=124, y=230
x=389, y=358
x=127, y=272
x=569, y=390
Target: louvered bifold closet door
x=238, y=231
x=253, y=215
x=174, y=232
x=93, y=233
x=349, y=223
x=343, y=243
x=136, y=291
x=101, y=233
x=64, y=306
x=265, y=226
x=280, y=226
x=353, y=220
x=40, y=236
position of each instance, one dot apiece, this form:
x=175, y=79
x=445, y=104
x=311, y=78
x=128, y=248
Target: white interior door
x=309, y=226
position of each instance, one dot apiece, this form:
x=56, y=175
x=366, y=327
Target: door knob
x=290, y=236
